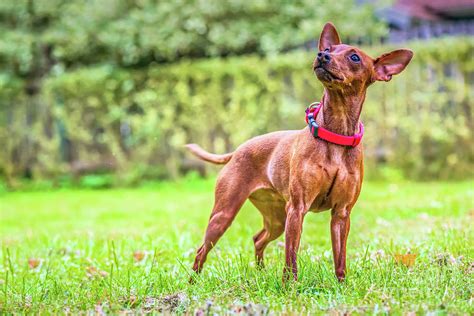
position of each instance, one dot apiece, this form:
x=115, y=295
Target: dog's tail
x=207, y=156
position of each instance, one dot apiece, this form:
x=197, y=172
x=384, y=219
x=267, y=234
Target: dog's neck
x=341, y=111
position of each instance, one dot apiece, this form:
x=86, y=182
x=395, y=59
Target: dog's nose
x=324, y=57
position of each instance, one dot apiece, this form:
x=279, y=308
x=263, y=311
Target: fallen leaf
x=407, y=259
x=138, y=255
x=92, y=272
x=33, y=263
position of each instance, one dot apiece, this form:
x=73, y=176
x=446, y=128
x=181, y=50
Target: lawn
x=124, y=250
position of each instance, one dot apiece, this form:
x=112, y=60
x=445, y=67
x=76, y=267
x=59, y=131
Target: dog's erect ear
x=390, y=64
x=328, y=36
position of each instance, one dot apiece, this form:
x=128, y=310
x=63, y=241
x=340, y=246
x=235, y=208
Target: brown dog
x=286, y=174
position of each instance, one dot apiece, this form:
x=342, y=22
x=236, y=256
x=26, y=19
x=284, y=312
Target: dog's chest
x=340, y=186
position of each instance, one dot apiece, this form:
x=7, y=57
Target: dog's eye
x=355, y=57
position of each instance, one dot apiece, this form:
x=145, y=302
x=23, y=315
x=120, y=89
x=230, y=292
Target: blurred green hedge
x=135, y=122
x=134, y=33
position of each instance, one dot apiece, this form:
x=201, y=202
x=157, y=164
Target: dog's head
x=340, y=66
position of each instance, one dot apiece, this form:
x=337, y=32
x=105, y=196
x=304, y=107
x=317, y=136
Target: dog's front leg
x=293, y=229
x=340, y=224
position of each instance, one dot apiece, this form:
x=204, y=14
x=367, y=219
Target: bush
x=36, y=34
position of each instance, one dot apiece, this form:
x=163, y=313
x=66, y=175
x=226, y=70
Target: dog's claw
x=260, y=265
x=341, y=278
x=288, y=275
x=192, y=279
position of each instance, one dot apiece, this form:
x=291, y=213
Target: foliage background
x=117, y=87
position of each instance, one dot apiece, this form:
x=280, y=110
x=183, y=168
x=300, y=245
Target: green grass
x=85, y=241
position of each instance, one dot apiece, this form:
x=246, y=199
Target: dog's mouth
x=324, y=74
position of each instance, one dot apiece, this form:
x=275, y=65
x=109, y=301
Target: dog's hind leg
x=230, y=195
x=264, y=237
x=274, y=216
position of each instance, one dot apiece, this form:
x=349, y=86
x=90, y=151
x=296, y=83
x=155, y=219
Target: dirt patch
x=169, y=303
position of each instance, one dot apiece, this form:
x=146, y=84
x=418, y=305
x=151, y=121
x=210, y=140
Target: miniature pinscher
x=286, y=174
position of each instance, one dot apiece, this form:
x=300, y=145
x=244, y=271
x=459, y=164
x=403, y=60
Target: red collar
x=320, y=132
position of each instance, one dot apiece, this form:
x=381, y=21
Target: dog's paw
x=341, y=276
